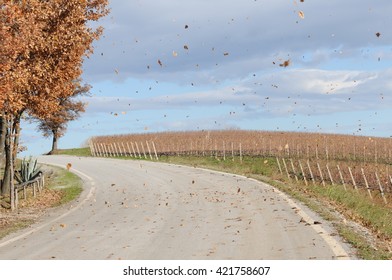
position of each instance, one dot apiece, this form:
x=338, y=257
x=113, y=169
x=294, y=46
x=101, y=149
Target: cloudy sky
x=292, y=65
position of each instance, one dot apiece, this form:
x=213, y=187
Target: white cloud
x=297, y=91
x=252, y=33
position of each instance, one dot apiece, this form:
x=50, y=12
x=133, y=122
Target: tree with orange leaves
x=69, y=110
x=43, y=44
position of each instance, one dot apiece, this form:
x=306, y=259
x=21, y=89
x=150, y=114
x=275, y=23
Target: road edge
x=88, y=191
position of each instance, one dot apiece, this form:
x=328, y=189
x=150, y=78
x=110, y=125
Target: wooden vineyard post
x=155, y=150
x=123, y=149
x=224, y=151
x=303, y=172
x=16, y=199
x=321, y=174
x=149, y=150
x=106, y=147
x=364, y=153
x=34, y=191
x=98, y=151
x=381, y=188
x=92, y=150
x=232, y=150
x=98, y=148
x=101, y=149
x=39, y=187
x=307, y=150
x=144, y=152
x=138, y=151
x=270, y=148
x=330, y=176
x=366, y=183
x=104, y=150
x=390, y=179
x=129, y=150
x=311, y=173
x=280, y=169
x=115, y=150
x=327, y=153
x=240, y=152
x=295, y=173
x=341, y=177
x=110, y=150
x=352, y=178
x=95, y=149
x=285, y=167
x=133, y=150
x=118, y=149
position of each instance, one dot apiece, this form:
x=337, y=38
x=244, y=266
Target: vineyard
x=351, y=161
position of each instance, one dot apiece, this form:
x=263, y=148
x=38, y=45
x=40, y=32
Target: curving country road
x=147, y=210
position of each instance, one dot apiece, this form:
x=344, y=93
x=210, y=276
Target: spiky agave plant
x=29, y=170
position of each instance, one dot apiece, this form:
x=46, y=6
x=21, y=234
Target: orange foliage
x=43, y=44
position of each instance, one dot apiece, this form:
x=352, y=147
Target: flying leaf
x=301, y=14
x=285, y=64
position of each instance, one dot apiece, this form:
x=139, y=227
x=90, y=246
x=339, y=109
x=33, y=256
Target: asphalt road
x=147, y=210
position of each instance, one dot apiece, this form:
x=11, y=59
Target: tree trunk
x=6, y=183
x=54, y=142
x=2, y=140
x=16, y=137
x=8, y=186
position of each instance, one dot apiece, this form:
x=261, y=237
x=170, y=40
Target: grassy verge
x=14, y=226
x=80, y=152
x=327, y=201
x=67, y=183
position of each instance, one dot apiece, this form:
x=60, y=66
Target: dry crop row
x=253, y=143
x=351, y=161
x=375, y=179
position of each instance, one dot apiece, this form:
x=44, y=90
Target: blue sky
x=215, y=64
